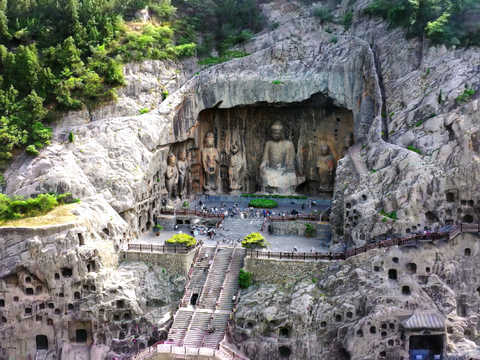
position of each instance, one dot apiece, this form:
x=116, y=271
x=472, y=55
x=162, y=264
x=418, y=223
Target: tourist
x=313, y=249
x=295, y=249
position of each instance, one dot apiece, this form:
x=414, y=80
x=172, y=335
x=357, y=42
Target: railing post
x=151, y=248
x=269, y=254
x=140, y=247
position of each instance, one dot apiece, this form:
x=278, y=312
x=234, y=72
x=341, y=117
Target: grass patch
x=419, y=123
x=263, y=203
x=414, y=149
x=227, y=56
x=465, y=96
x=60, y=215
x=244, y=279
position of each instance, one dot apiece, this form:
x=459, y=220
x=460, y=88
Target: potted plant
x=157, y=229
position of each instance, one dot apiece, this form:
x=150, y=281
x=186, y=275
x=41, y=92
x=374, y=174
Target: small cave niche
x=41, y=342
x=284, y=352
x=395, y=260
x=91, y=266
x=450, y=197
x=364, y=197
x=411, y=267
x=106, y=231
x=61, y=295
x=463, y=202
x=116, y=317
x=125, y=349
x=51, y=305
x=101, y=339
x=93, y=288
x=467, y=332
x=384, y=326
x=15, y=298
x=467, y=219
x=28, y=311
x=126, y=316
x=349, y=315
x=373, y=330
x=392, y=274
x=406, y=290
x=141, y=346
x=101, y=311
x=392, y=326
x=29, y=291
x=323, y=324
x=120, y=304
x=28, y=279
x=431, y=217
x=4, y=320
x=338, y=318
x=81, y=335
x=383, y=354
x=249, y=326
x=86, y=287
x=70, y=307
x=376, y=268
x=427, y=269
x=343, y=354
x=348, y=205
x=67, y=272
x=57, y=311
x=384, y=334
x=76, y=295
x=470, y=203
x=2, y=303
x=81, y=239
x=39, y=289
x=49, y=322
x=284, y=332
x=57, y=276
x=121, y=335
x=359, y=333
x=467, y=252
x=38, y=318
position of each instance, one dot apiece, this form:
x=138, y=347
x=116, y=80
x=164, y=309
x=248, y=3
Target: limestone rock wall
x=61, y=287
x=353, y=309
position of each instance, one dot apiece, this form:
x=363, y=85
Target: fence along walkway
x=411, y=240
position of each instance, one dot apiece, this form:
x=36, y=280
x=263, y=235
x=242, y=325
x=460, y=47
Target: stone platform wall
x=294, y=228
x=279, y=271
x=178, y=264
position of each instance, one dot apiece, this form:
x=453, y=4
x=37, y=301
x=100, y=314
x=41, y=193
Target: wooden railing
x=165, y=249
x=411, y=240
x=300, y=217
x=188, y=212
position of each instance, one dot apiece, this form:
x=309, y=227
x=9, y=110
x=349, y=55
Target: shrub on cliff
x=244, y=279
x=181, y=239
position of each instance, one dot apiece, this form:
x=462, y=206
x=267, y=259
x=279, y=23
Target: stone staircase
x=180, y=325
x=196, y=330
x=215, y=286
x=215, y=279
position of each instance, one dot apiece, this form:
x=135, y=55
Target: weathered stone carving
x=326, y=167
x=278, y=163
x=182, y=173
x=210, y=164
x=235, y=169
x=347, y=143
x=171, y=176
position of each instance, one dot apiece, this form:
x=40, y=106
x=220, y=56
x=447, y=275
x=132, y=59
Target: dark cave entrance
x=42, y=342
x=310, y=125
x=81, y=335
x=193, y=299
x=426, y=345
x=285, y=352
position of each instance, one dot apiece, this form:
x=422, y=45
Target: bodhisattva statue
x=235, y=168
x=326, y=168
x=182, y=173
x=171, y=176
x=347, y=143
x=210, y=164
x=278, y=163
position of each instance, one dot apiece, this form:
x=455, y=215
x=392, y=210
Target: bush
x=144, y=111
x=254, y=240
x=158, y=228
x=322, y=14
x=414, y=149
x=16, y=207
x=244, y=279
x=310, y=229
x=32, y=150
x=71, y=137
x=465, y=96
x=347, y=20
x=263, y=203
x=185, y=205
x=181, y=239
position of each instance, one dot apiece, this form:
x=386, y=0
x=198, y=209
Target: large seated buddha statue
x=277, y=169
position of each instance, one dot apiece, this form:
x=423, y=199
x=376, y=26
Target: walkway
x=211, y=291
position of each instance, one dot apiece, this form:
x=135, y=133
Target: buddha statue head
x=324, y=150
x=209, y=140
x=182, y=154
x=277, y=130
x=171, y=159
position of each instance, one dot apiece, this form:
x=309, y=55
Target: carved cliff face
x=308, y=125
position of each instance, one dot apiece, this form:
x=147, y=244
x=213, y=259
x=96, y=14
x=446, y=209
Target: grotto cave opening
x=281, y=148
x=431, y=343
x=41, y=342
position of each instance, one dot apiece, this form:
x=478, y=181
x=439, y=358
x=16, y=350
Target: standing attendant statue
x=171, y=176
x=347, y=143
x=210, y=164
x=182, y=173
x=326, y=168
x=235, y=168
